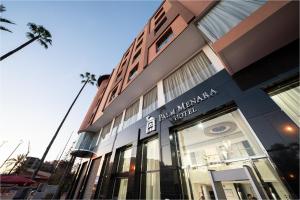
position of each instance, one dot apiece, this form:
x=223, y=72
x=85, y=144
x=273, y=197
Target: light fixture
x=200, y=125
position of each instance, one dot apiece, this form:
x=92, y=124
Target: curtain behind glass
x=123, y=188
x=189, y=75
x=150, y=102
x=225, y=15
x=152, y=155
x=288, y=101
x=153, y=185
x=131, y=114
x=116, y=128
x=105, y=131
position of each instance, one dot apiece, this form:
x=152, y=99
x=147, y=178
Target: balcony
x=86, y=145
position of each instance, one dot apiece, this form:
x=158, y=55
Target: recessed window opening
x=150, y=101
x=137, y=54
x=105, y=131
x=140, y=37
x=118, y=76
x=123, y=63
x=165, y=39
x=139, y=44
x=159, y=25
x=133, y=72
x=159, y=18
x=131, y=114
x=158, y=12
x=113, y=94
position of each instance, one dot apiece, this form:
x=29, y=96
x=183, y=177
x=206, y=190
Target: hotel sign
x=180, y=111
x=187, y=108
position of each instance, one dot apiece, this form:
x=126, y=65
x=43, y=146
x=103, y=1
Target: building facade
x=204, y=104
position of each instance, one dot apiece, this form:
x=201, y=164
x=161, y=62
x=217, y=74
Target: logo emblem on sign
x=151, y=124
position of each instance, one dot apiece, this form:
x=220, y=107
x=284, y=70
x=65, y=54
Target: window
x=150, y=102
x=150, y=170
x=195, y=71
x=122, y=172
x=105, y=131
x=139, y=44
x=165, y=39
x=225, y=15
x=123, y=64
x=159, y=18
x=220, y=143
x=288, y=100
x=140, y=37
x=116, y=128
x=133, y=72
x=137, y=54
x=159, y=25
x=113, y=94
x=131, y=114
x=118, y=76
x=101, y=179
x=158, y=12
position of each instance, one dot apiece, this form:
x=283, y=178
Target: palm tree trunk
x=18, y=48
x=55, y=134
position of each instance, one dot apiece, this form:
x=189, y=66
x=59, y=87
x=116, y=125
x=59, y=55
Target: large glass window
x=131, y=114
x=197, y=70
x=121, y=173
x=150, y=102
x=225, y=15
x=105, y=131
x=116, y=127
x=101, y=179
x=150, y=170
x=222, y=143
x=289, y=102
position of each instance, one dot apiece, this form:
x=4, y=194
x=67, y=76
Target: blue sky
x=37, y=85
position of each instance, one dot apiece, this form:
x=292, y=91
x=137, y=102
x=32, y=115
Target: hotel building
x=204, y=104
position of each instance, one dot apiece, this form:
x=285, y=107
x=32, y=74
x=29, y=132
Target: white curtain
x=125, y=160
x=152, y=155
x=153, y=185
x=150, y=102
x=189, y=75
x=123, y=188
x=289, y=102
x=116, y=126
x=225, y=15
x=105, y=131
x=131, y=114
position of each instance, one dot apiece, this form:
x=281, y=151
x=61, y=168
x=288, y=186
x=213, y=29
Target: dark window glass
x=133, y=73
x=165, y=39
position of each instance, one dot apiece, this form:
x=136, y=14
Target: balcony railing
x=86, y=145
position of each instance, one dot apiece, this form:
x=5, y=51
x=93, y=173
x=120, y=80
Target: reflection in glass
x=222, y=143
x=124, y=160
x=116, y=127
x=131, y=114
x=289, y=102
x=151, y=168
x=121, y=188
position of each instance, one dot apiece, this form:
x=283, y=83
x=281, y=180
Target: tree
x=3, y=20
x=38, y=33
x=18, y=164
x=87, y=78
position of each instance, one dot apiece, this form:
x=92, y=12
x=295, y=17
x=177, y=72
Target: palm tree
x=86, y=78
x=18, y=163
x=2, y=9
x=39, y=33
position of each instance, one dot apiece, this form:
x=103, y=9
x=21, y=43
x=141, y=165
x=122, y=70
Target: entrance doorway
x=221, y=158
x=236, y=184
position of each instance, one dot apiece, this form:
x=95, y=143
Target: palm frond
x=5, y=29
x=47, y=40
x=83, y=81
x=81, y=75
x=91, y=82
x=43, y=43
x=93, y=77
x=30, y=35
x=33, y=27
x=6, y=21
x=87, y=74
x=2, y=8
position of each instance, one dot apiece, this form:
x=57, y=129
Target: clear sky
x=37, y=86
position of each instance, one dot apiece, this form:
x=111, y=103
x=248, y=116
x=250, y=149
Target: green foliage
x=42, y=35
x=88, y=77
x=3, y=20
